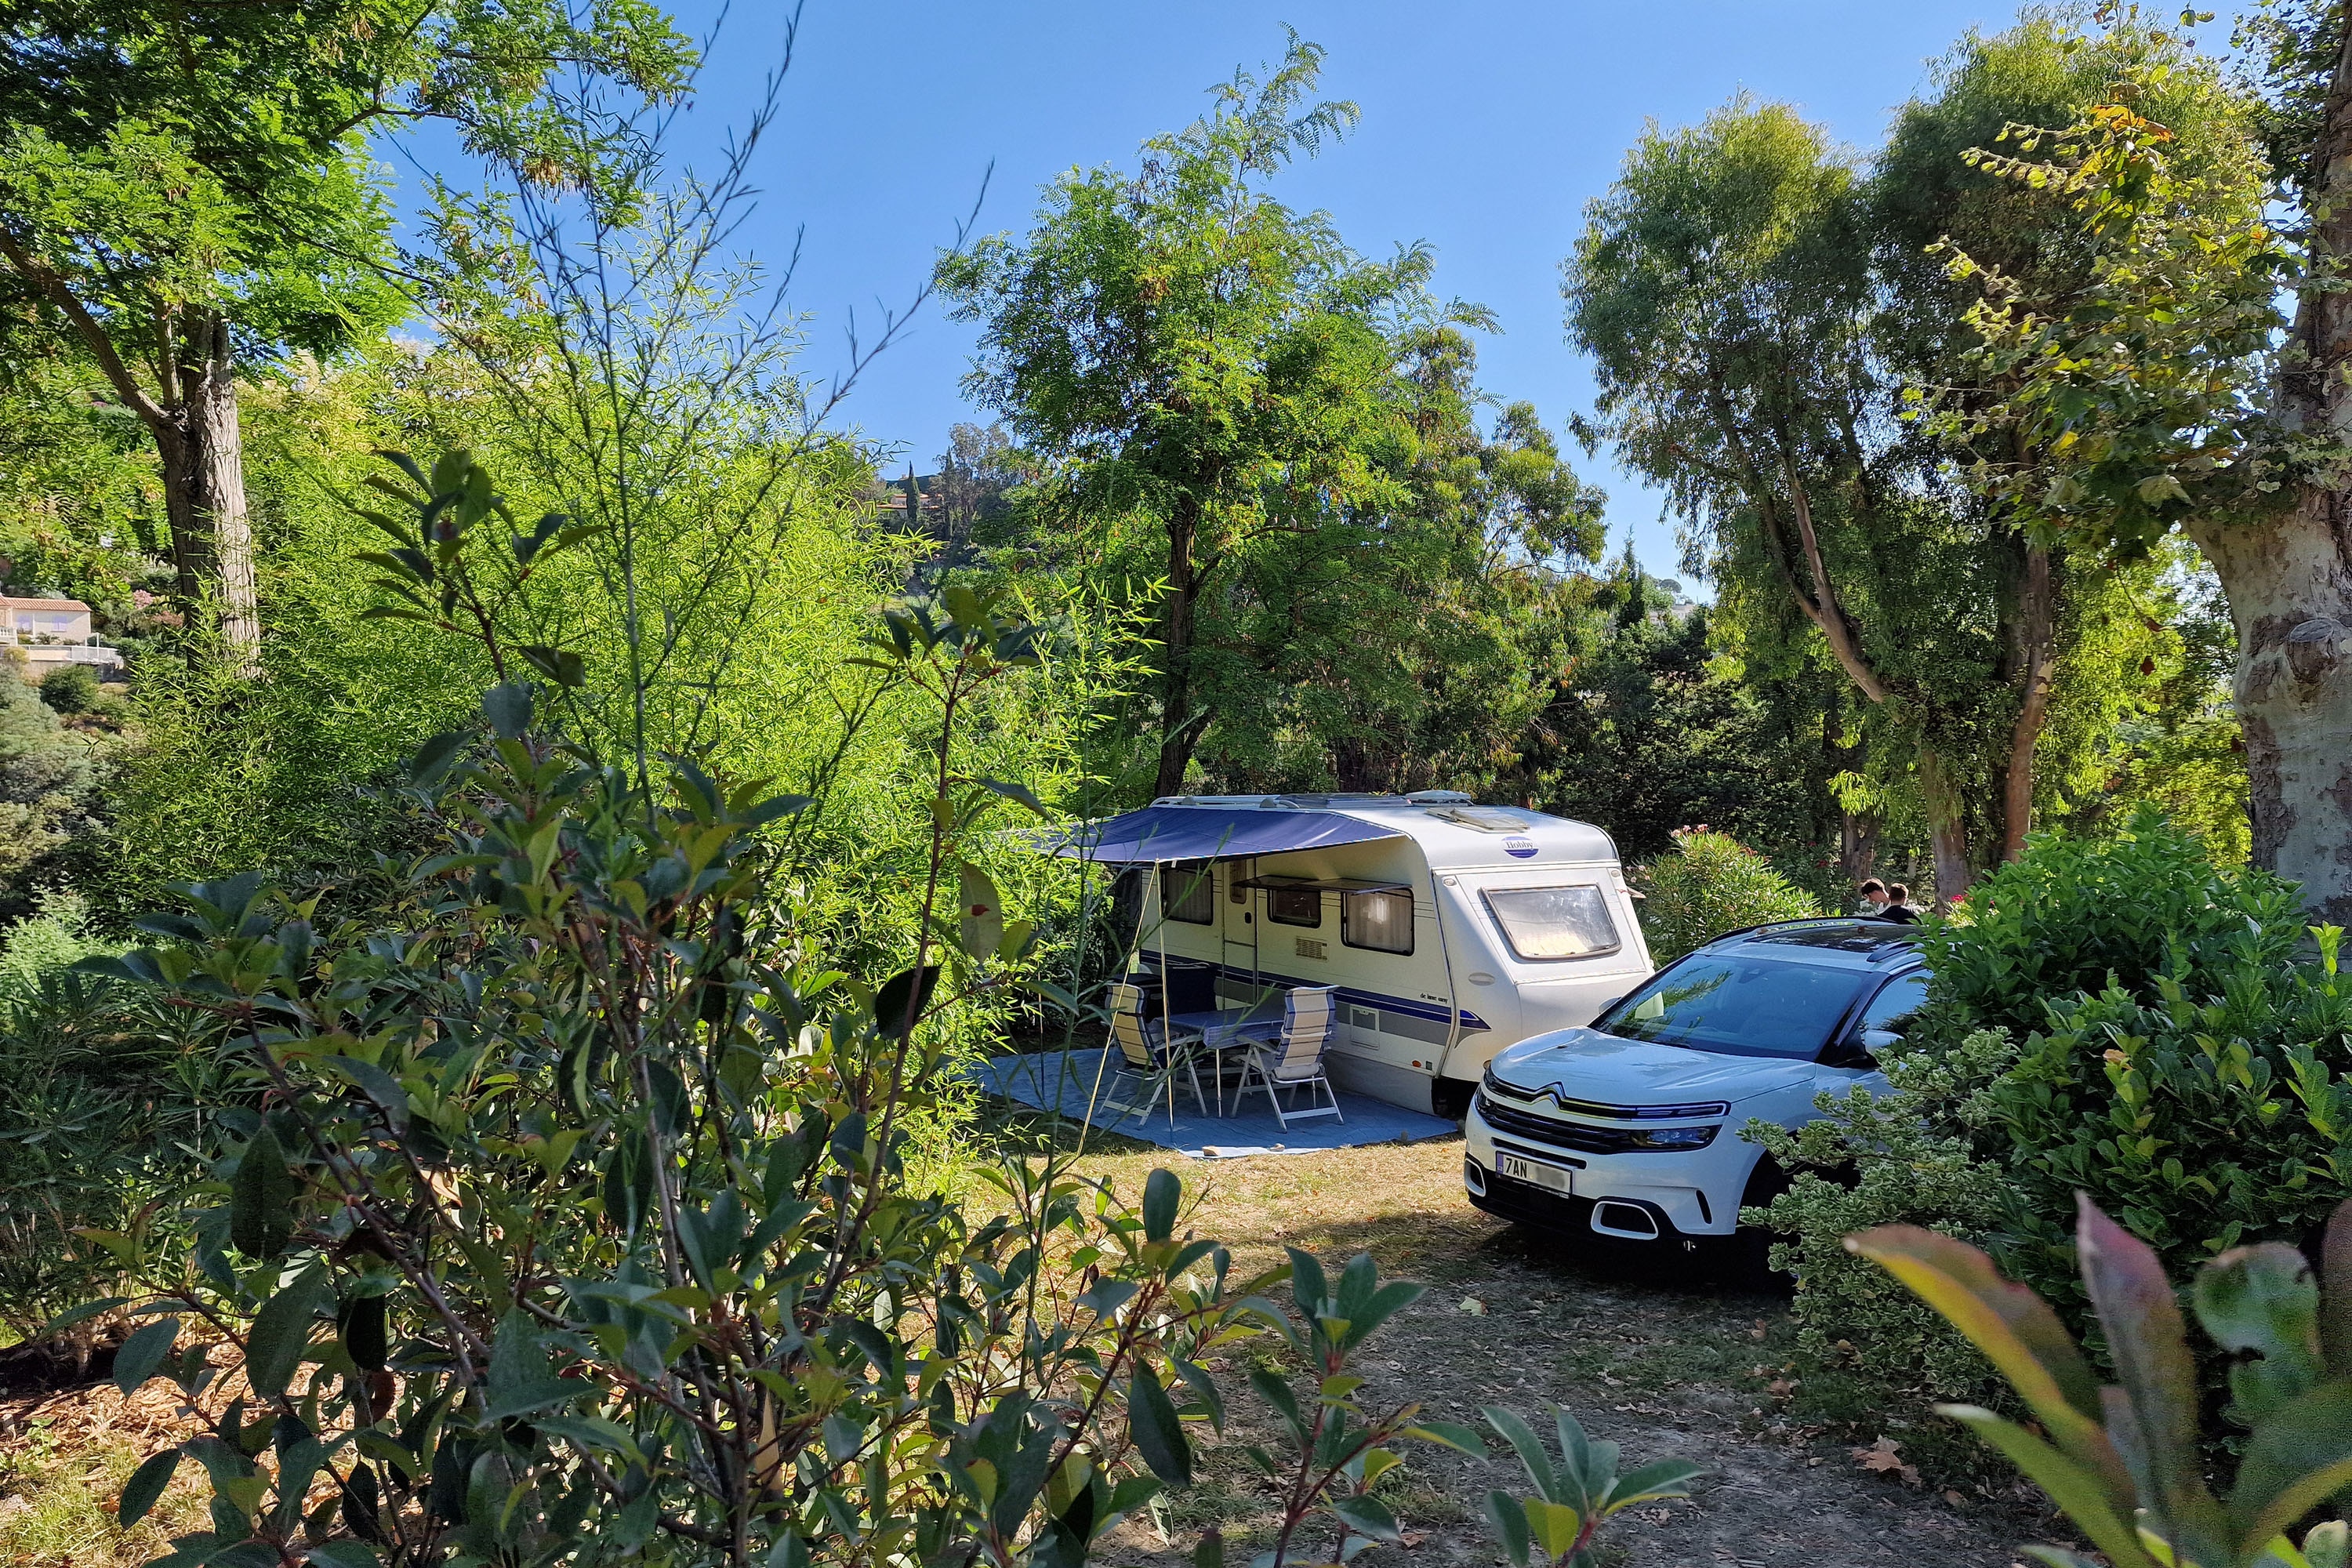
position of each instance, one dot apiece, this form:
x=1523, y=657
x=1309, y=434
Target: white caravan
x=1451, y=930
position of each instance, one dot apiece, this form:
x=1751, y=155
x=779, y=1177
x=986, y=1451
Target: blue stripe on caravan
x=1409, y=1007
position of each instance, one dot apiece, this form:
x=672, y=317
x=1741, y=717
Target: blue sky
x=1487, y=124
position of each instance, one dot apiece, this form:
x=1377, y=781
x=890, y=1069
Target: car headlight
x=1673, y=1137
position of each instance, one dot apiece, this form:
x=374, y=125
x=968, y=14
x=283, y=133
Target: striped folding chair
x=1296, y=1061
x=1149, y=1062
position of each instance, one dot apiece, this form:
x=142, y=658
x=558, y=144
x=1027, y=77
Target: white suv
x=1629, y=1126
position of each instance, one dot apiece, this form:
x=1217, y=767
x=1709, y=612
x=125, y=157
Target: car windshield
x=1738, y=1005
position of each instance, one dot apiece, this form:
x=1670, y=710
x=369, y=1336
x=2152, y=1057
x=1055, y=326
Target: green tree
x=1647, y=730
x=1197, y=362
x=1413, y=651
x=1752, y=298
x=2163, y=388
x=187, y=189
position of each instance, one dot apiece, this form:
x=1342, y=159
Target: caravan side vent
x=1363, y=1017
x=1313, y=947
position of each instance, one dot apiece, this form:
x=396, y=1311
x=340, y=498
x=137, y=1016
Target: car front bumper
x=1654, y=1195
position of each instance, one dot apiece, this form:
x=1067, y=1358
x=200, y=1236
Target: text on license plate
x=1538, y=1172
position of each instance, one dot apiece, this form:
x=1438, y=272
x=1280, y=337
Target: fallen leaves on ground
x=1886, y=1456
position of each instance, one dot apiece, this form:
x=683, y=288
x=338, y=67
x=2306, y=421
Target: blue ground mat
x=1030, y=1079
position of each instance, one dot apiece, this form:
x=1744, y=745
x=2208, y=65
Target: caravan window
x=1381, y=922
x=1187, y=891
x=1295, y=906
x=1543, y=923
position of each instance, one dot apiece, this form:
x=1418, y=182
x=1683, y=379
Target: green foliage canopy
x=1225, y=396
x=1758, y=310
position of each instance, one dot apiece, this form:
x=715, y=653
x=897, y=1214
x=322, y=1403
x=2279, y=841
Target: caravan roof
x=1451, y=829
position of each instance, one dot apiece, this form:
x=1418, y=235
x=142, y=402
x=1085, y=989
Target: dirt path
x=1665, y=1363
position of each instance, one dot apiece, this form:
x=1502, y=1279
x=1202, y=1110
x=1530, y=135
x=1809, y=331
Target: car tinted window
x=1892, y=1008
x=1738, y=1004
x=1553, y=922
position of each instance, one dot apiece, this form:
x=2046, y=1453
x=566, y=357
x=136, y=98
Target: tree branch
x=101, y=348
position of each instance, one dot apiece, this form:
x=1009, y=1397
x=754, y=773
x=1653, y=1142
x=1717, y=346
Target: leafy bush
x=1712, y=884
x=56, y=935
x=2177, y=1060
x=570, y=1202
x=100, y=1103
x=2123, y=1462
x=2070, y=912
x=2180, y=1061
x=2202, y=1119
x=71, y=688
x=49, y=784
x=1909, y=1155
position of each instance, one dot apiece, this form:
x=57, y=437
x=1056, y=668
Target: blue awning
x=1163, y=833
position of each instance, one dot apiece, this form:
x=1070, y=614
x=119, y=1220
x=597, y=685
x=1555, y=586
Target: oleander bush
x=562, y=1209
x=100, y=1113
x=1708, y=884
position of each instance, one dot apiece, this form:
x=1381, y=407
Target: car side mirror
x=1860, y=1050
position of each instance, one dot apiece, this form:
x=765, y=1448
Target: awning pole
x=1166, y=1021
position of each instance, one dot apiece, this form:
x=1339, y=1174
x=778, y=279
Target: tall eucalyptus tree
x=1763, y=317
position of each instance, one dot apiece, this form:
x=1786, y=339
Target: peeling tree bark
x=2289, y=584
x=2288, y=577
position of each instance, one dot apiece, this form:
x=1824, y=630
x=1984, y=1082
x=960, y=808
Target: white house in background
x=50, y=632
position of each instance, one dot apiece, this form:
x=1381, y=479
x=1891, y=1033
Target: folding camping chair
x=1152, y=1060
x=1296, y=1060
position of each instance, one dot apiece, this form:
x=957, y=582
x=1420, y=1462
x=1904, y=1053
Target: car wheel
x=1751, y=1245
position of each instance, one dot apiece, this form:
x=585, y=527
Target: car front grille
x=1553, y=1131
x=1556, y=1134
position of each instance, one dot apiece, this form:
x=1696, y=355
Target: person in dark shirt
x=1898, y=906
x=1874, y=899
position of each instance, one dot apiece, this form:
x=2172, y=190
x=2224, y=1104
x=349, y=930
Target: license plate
x=1536, y=1173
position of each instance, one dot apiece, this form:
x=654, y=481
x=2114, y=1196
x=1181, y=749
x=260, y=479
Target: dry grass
x=64, y=1459
x=1668, y=1357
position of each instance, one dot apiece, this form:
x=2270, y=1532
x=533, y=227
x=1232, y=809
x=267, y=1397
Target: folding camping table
x=1222, y=1029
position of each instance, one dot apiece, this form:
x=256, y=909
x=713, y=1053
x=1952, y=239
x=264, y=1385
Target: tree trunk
x=1178, y=732
x=2289, y=582
x=216, y=495
x=2288, y=577
x=2037, y=665
x=1947, y=832
x=191, y=545
x=1858, y=844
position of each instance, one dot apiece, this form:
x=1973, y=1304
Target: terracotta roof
x=67, y=604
